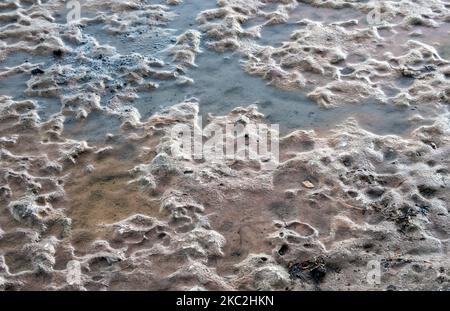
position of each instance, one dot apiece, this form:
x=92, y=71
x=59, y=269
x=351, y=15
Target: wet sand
x=89, y=186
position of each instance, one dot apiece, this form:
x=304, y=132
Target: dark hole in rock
x=37, y=71
x=352, y=193
x=58, y=53
x=368, y=246
x=347, y=70
x=431, y=163
x=426, y=191
x=283, y=249
x=347, y=161
x=442, y=171
x=318, y=274
x=375, y=192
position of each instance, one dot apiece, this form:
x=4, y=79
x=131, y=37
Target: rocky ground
x=93, y=196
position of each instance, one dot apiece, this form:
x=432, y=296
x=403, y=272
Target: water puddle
x=220, y=82
x=93, y=128
x=186, y=14
x=145, y=42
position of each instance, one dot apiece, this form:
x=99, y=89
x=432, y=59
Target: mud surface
x=92, y=196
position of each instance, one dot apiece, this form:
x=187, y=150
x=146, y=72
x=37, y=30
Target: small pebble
x=308, y=184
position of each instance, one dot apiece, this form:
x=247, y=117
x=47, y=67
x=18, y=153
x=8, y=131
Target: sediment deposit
x=94, y=196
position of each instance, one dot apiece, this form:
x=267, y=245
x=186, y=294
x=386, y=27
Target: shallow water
x=221, y=84
x=342, y=188
x=93, y=129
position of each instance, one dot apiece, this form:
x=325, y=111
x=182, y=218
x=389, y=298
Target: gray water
x=221, y=83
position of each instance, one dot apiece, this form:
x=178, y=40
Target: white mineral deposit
x=100, y=191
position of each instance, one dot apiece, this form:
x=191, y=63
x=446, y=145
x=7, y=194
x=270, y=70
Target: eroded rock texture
x=94, y=194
